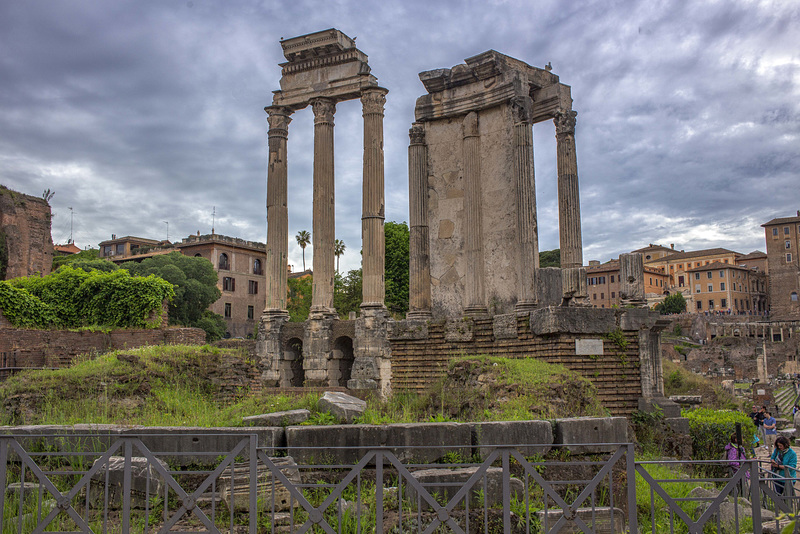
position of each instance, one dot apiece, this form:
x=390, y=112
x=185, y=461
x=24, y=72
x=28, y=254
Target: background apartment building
x=783, y=259
x=603, y=284
x=724, y=288
x=239, y=265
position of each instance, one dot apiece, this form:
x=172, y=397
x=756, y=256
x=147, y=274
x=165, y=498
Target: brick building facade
x=783, y=259
x=26, y=247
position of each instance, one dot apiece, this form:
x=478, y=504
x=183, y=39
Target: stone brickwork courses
x=26, y=247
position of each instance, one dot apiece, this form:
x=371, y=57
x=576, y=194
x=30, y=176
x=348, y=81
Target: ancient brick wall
x=26, y=247
x=57, y=348
x=417, y=363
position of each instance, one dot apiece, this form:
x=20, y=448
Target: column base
x=268, y=346
x=419, y=315
x=372, y=365
x=476, y=311
x=525, y=307
x=321, y=312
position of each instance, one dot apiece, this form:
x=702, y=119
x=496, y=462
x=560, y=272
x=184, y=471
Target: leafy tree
x=82, y=256
x=195, y=283
x=397, y=257
x=550, y=258
x=674, y=303
x=94, y=265
x=347, y=293
x=303, y=239
x=299, y=302
x=338, y=249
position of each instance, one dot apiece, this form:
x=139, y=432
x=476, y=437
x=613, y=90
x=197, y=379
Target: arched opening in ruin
x=343, y=359
x=294, y=355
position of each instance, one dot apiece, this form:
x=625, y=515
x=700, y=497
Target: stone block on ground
x=599, y=519
x=591, y=435
x=290, y=417
x=332, y=444
x=235, y=491
x=443, y=484
x=146, y=480
x=341, y=405
x=789, y=433
x=678, y=424
x=529, y=437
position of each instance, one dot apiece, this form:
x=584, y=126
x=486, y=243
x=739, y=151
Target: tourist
x=783, y=463
x=770, y=430
x=754, y=416
x=734, y=453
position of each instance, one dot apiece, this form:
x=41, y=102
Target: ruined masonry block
x=408, y=330
x=517, y=433
x=591, y=435
x=574, y=320
x=445, y=483
x=343, y=406
x=290, y=417
x=505, y=326
x=459, y=330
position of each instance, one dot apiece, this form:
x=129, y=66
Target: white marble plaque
x=589, y=347
x=760, y=392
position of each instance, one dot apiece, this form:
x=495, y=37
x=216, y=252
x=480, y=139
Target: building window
x=726, y=261
x=107, y=250
x=723, y=303
x=710, y=274
x=198, y=255
x=785, y=230
x=697, y=288
x=250, y=312
x=681, y=281
x=121, y=248
x=227, y=310
x=602, y=296
x=699, y=305
x=794, y=296
x=774, y=232
x=612, y=278
x=788, y=244
x=722, y=288
x=613, y=295
x=788, y=257
x=252, y=287
x=224, y=264
x=257, y=267
x=722, y=274
x=594, y=296
x=697, y=276
x=710, y=288
x=710, y=304
x=228, y=284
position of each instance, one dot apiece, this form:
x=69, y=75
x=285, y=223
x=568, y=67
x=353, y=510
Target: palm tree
x=338, y=250
x=303, y=239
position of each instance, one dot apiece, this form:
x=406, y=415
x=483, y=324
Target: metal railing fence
x=105, y=483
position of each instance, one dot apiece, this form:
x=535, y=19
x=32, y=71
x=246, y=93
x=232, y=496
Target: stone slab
x=146, y=480
x=591, y=435
x=599, y=519
x=454, y=438
x=505, y=326
x=572, y=320
x=589, y=347
x=235, y=491
x=522, y=434
x=285, y=418
x=408, y=329
x=444, y=483
x=458, y=330
x=341, y=405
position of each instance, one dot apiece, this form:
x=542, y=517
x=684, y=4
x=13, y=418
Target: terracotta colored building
x=239, y=265
x=725, y=288
x=783, y=259
x=602, y=281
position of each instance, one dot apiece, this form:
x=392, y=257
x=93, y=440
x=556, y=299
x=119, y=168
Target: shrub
x=711, y=430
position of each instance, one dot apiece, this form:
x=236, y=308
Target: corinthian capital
x=417, y=133
x=279, y=118
x=323, y=108
x=565, y=121
x=521, y=109
x=373, y=100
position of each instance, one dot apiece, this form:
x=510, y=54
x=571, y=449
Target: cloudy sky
x=140, y=112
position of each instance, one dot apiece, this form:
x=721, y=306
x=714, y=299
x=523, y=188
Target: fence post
x=506, y=493
x=755, y=496
x=630, y=465
x=3, y=466
x=253, y=483
x=126, y=487
x=379, y=492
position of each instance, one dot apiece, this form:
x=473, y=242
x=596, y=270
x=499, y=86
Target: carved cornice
x=373, y=100
x=324, y=108
x=565, y=121
x=279, y=119
x=417, y=134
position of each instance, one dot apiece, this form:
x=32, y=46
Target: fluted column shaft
x=372, y=209
x=473, y=232
x=324, y=224
x=277, y=212
x=631, y=280
x=569, y=206
x=527, y=232
x=419, y=302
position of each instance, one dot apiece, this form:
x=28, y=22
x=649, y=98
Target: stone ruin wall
x=418, y=364
x=24, y=234
x=447, y=217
